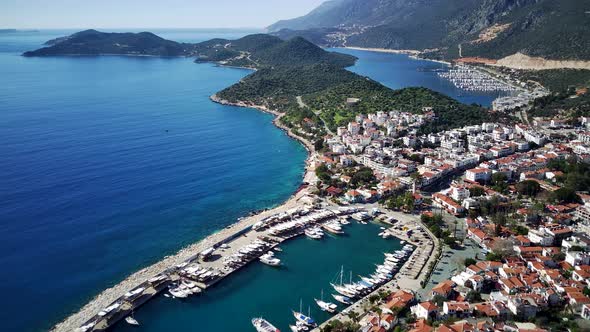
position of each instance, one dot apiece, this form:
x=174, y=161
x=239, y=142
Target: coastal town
x=493, y=220
x=514, y=196
x=296, y=166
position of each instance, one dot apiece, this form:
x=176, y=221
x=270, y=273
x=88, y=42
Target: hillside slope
x=485, y=28
x=261, y=50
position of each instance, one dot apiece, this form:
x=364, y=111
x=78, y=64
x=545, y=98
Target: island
x=92, y=42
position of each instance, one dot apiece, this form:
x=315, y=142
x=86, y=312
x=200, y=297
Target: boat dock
x=413, y=269
x=221, y=259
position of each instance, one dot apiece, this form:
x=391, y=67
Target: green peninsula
x=294, y=77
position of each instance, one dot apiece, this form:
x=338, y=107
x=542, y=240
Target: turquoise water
x=261, y=290
x=400, y=71
x=110, y=163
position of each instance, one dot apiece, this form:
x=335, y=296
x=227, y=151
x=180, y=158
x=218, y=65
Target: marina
x=274, y=293
x=472, y=80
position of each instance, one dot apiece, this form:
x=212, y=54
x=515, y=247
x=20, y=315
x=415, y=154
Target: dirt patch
x=490, y=33
x=522, y=61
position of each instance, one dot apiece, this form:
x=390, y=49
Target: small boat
x=333, y=228
x=344, y=290
x=131, y=321
x=314, y=233
x=268, y=259
x=325, y=306
x=298, y=327
x=344, y=221
x=361, y=217
x=304, y=319
x=262, y=325
x=342, y=299
x=178, y=291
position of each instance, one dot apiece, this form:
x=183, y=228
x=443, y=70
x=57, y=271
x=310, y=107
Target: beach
x=383, y=50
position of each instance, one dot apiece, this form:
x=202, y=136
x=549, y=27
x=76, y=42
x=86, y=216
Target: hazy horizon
x=137, y=14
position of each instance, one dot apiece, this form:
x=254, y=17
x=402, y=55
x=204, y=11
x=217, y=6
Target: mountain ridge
x=541, y=28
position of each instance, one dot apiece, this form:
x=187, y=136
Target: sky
x=55, y=14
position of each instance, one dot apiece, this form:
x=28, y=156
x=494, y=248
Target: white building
x=478, y=174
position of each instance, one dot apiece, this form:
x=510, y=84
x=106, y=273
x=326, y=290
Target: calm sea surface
x=400, y=71
x=109, y=163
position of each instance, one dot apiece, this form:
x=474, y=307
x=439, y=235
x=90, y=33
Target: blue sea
x=110, y=163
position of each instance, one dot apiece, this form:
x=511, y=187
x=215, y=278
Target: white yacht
x=315, y=233
x=326, y=306
x=299, y=327
x=342, y=299
x=262, y=325
x=333, y=228
x=131, y=321
x=269, y=259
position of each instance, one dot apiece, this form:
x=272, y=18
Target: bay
x=110, y=163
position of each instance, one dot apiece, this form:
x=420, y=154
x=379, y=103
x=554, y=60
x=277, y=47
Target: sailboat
x=326, y=306
x=262, y=325
x=300, y=317
x=342, y=299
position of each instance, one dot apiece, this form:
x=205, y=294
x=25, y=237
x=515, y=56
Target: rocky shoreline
x=278, y=115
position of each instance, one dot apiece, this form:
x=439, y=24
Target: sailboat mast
x=341, y=273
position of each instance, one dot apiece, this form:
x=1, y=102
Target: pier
x=469, y=79
x=411, y=273
x=231, y=252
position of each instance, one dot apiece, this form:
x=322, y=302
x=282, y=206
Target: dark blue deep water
x=107, y=164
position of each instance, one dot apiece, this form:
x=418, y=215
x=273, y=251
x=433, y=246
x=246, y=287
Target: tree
x=476, y=191
x=470, y=261
x=363, y=176
x=449, y=240
x=499, y=220
x=439, y=300
x=319, y=144
x=503, y=248
x=565, y=195
x=498, y=178
x=528, y=188
x=499, y=182
x=473, y=296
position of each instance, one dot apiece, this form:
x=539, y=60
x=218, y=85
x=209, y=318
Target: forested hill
x=286, y=70
x=261, y=50
x=485, y=28
x=92, y=42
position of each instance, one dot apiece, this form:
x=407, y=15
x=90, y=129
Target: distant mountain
x=92, y=42
x=486, y=28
